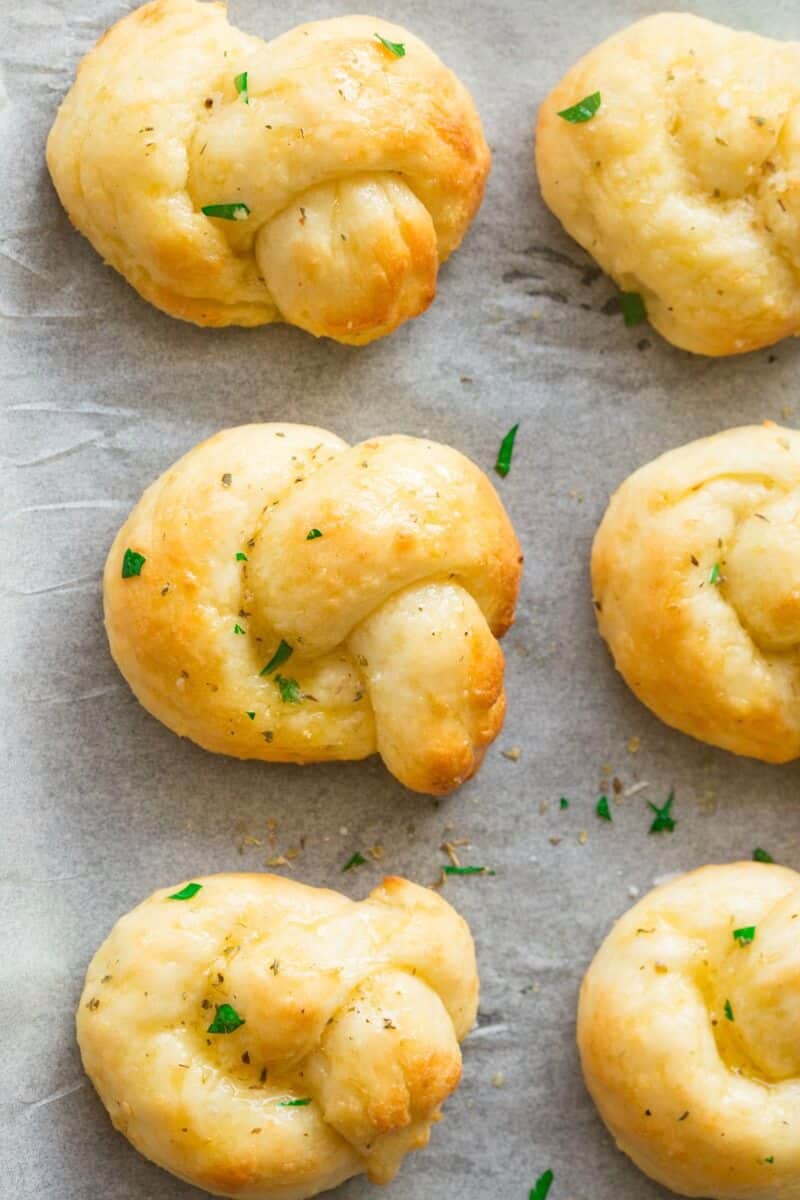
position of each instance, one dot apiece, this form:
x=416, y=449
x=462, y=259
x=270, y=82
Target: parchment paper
x=101, y=804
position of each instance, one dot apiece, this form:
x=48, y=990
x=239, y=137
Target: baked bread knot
x=300, y=600
x=696, y=579
x=267, y=1040
x=687, y=1030
x=337, y=165
x=685, y=184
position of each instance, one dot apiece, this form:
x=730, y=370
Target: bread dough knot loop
x=687, y=1029
x=268, y=1040
x=696, y=578
x=685, y=185
x=318, y=178
x=303, y=600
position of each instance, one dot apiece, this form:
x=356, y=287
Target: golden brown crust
x=361, y=170
x=696, y=579
x=355, y=1009
x=688, y=1038
x=392, y=614
x=683, y=185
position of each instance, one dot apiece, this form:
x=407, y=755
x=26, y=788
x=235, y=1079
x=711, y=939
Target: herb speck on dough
x=132, y=563
x=584, y=110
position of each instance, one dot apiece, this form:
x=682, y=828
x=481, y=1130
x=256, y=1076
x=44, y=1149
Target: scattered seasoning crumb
x=762, y=856
x=543, y=807
x=93, y=1004
x=227, y=479
x=633, y=745
x=729, y=1010
x=514, y=753
x=278, y=860
x=555, y=841
x=635, y=788
x=499, y=1080
x=377, y=852
x=660, y=968
x=583, y=837
x=563, y=803
x=355, y=860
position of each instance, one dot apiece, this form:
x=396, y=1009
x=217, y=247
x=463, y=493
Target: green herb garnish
x=226, y=1021
x=563, y=802
x=280, y=656
x=395, y=48
x=251, y=715
x=728, y=1010
x=227, y=212
x=664, y=818
x=289, y=689
x=770, y=1160
x=294, y=1103
x=745, y=935
x=503, y=464
x=583, y=111
x=357, y=860
x=602, y=809
x=238, y=629
x=633, y=309
x=187, y=892
x=714, y=576
x=764, y=856
x=240, y=557
x=240, y=83
x=313, y=534
x=541, y=1187
x=451, y=870
x=132, y=563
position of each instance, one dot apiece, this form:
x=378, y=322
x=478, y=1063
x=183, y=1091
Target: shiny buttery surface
x=704, y=1102
x=357, y=1008
x=359, y=169
x=686, y=184
x=391, y=614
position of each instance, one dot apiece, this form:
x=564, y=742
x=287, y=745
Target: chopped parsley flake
x=395, y=48
x=770, y=1160
x=602, y=809
x=451, y=870
x=289, y=689
x=583, y=111
x=240, y=557
x=294, y=1103
x=313, y=534
x=227, y=212
x=280, y=656
x=540, y=1189
x=762, y=856
x=714, y=577
x=238, y=629
x=563, y=802
x=226, y=1021
x=187, y=892
x=745, y=935
x=633, y=309
x=240, y=83
x=664, y=818
x=729, y=1010
x=251, y=715
x=357, y=860
x=503, y=464
x=132, y=563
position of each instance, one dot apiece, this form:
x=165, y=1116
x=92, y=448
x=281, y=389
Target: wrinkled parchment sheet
x=101, y=804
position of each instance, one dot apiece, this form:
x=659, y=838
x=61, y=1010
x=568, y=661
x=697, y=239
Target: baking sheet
x=101, y=804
